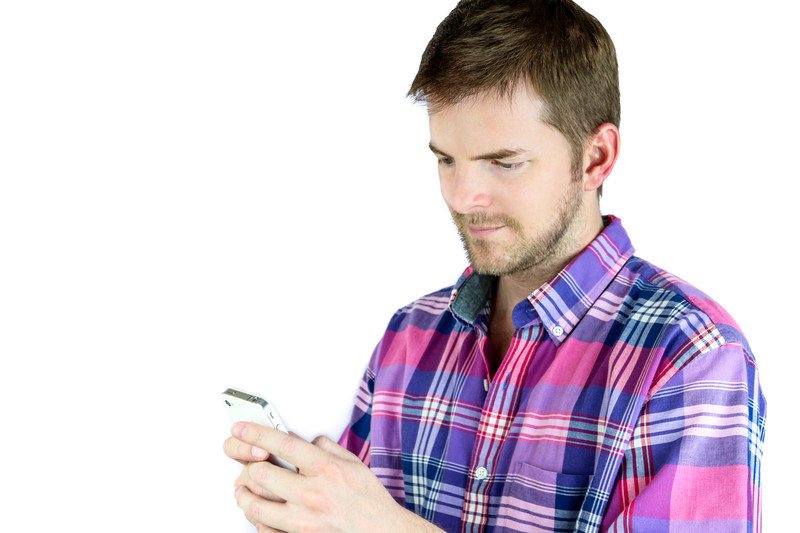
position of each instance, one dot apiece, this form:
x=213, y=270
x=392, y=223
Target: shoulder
x=674, y=316
x=427, y=312
x=663, y=294
x=416, y=329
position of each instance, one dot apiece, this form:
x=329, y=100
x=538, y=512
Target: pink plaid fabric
x=628, y=400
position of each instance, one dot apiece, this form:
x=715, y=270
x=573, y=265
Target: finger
x=245, y=479
x=260, y=511
x=276, y=480
x=242, y=451
x=291, y=448
x=239, y=501
x=334, y=448
x=248, y=503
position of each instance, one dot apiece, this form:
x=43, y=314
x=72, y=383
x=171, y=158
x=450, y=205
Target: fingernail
x=238, y=429
x=258, y=453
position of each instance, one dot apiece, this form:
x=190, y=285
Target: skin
x=333, y=491
x=549, y=215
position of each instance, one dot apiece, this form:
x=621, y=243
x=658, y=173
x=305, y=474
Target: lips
x=479, y=228
x=479, y=231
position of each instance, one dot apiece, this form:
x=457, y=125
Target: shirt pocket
x=535, y=498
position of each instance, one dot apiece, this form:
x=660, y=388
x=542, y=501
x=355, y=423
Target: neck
x=512, y=288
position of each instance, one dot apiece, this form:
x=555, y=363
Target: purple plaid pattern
x=628, y=401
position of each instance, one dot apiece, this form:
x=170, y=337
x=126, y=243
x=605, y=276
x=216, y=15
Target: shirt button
x=557, y=331
x=481, y=473
x=486, y=385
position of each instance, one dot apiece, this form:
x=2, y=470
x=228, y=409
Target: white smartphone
x=246, y=407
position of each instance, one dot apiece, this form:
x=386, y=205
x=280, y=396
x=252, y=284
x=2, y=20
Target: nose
x=465, y=189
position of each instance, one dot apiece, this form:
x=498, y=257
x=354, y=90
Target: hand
x=245, y=454
x=334, y=490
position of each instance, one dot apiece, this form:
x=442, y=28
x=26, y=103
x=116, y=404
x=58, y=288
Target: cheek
x=529, y=207
x=445, y=185
x=448, y=194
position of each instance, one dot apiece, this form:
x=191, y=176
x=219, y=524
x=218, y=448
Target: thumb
x=334, y=448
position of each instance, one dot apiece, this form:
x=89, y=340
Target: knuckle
x=253, y=511
x=331, y=469
x=252, y=471
x=254, y=432
x=309, y=499
x=257, y=471
x=287, y=446
x=314, y=501
x=258, y=491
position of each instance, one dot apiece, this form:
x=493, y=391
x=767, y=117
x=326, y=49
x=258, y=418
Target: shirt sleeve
x=356, y=435
x=694, y=460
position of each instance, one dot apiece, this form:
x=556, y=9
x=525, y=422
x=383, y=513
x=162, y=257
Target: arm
x=334, y=489
x=356, y=436
x=693, y=462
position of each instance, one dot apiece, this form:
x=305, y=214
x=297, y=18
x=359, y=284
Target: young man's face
x=534, y=202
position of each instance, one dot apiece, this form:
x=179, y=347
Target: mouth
x=479, y=231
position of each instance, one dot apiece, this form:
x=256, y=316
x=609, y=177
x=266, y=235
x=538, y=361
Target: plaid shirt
x=628, y=400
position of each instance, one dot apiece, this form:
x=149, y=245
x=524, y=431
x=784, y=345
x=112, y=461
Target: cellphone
x=246, y=407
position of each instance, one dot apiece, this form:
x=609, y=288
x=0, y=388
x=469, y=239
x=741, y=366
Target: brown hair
x=553, y=46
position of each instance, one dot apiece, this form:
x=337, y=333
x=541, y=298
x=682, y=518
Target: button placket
x=493, y=426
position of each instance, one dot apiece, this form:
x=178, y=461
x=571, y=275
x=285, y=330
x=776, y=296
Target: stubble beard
x=489, y=257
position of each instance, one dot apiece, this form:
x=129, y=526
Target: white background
x=197, y=195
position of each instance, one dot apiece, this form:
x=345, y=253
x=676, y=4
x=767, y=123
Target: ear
x=602, y=150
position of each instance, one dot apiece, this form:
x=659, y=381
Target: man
x=562, y=383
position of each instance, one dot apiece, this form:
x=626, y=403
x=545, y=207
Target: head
x=562, y=52
x=539, y=75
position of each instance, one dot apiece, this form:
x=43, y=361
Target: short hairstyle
x=555, y=47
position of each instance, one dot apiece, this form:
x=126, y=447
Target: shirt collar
x=559, y=303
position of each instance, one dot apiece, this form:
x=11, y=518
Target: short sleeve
x=694, y=460
x=356, y=435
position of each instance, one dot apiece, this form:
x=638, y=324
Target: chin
x=488, y=267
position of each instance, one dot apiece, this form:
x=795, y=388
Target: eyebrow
x=501, y=153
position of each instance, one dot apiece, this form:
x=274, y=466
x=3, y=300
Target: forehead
x=489, y=117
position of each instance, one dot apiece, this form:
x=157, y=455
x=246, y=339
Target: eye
x=508, y=166
x=446, y=161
